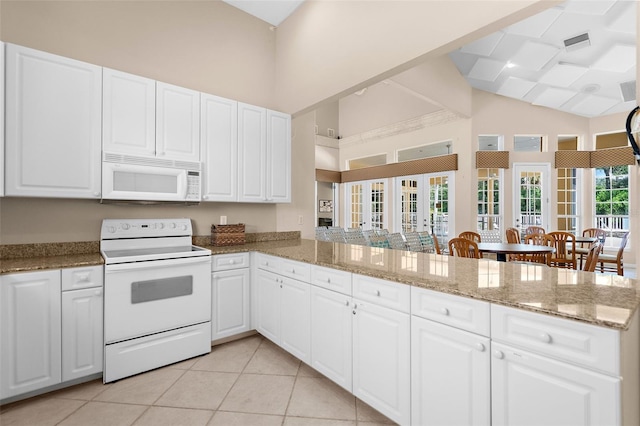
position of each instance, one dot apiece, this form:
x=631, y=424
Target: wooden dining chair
x=470, y=235
x=613, y=263
x=592, y=257
x=565, y=245
x=512, y=235
x=583, y=248
x=463, y=247
x=540, y=240
x=436, y=244
x=534, y=230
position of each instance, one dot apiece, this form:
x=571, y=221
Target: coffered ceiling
x=537, y=61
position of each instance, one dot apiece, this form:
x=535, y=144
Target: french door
x=425, y=204
x=531, y=195
x=367, y=204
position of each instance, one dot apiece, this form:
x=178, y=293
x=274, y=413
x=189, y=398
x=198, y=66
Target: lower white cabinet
x=82, y=338
x=30, y=355
x=382, y=359
x=450, y=375
x=284, y=313
x=331, y=335
x=231, y=303
x=529, y=389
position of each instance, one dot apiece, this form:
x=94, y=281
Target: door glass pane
x=567, y=200
x=409, y=204
x=355, y=220
x=488, y=199
x=377, y=205
x=530, y=198
x=439, y=207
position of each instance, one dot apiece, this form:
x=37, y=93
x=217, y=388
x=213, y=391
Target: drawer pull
x=231, y=262
x=444, y=311
x=328, y=280
x=83, y=278
x=480, y=347
x=498, y=354
x=347, y=303
x=544, y=338
x=377, y=292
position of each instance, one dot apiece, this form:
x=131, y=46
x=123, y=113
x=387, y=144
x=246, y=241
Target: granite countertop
x=599, y=299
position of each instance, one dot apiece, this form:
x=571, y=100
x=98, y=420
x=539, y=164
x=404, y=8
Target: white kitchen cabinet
x=331, y=335
x=264, y=155
x=450, y=375
x=1, y=119
x=382, y=359
x=129, y=114
x=528, y=389
x=177, y=122
x=53, y=125
x=278, y=157
x=284, y=313
x=30, y=332
x=219, y=148
x=82, y=338
x=231, y=302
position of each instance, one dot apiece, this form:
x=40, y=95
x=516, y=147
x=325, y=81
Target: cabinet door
x=450, y=375
x=231, y=303
x=82, y=342
x=29, y=332
x=219, y=148
x=331, y=338
x=278, y=157
x=252, y=153
x=295, y=318
x=268, y=305
x=177, y=122
x=53, y=125
x=381, y=359
x=528, y=389
x=129, y=114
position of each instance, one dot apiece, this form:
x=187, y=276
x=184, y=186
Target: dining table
x=501, y=250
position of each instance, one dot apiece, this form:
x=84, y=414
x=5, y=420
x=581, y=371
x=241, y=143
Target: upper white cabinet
x=264, y=155
x=219, y=148
x=30, y=332
x=177, y=122
x=53, y=125
x=142, y=117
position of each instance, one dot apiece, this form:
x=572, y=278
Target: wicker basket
x=227, y=235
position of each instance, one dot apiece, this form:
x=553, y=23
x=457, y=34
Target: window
x=374, y=160
x=490, y=142
x=424, y=151
x=489, y=199
x=527, y=143
x=568, y=217
x=612, y=202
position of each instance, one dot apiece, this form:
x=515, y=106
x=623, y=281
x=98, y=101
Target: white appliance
x=157, y=295
x=128, y=177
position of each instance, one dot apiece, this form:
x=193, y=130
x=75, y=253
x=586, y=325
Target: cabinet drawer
x=578, y=343
x=298, y=270
x=381, y=292
x=268, y=263
x=331, y=279
x=456, y=311
x=77, y=278
x=224, y=262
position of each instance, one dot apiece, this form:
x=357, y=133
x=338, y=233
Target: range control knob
x=125, y=226
x=161, y=225
x=111, y=229
x=172, y=225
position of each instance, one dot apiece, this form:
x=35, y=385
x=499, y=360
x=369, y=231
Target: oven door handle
x=154, y=264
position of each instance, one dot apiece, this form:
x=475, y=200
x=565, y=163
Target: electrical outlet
x=223, y=220
x=300, y=220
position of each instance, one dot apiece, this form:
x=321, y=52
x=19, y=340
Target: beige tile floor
x=246, y=382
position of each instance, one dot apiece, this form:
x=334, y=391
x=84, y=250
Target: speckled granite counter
x=605, y=300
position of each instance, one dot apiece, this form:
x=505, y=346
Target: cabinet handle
x=498, y=354
x=231, y=262
x=83, y=278
x=98, y=292
x=480, y=347
x=96, y=194
x=444, y=311
x=205, y=197
x=328, y=280
x=293, y=271
x=544, y=337
x=377, y=292
x=347, y=303
x=280, y=285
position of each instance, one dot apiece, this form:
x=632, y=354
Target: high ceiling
x=529, y=60
x=271, y=11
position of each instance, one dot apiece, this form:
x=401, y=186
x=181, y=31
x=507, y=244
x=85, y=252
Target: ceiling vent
x=577, y=42
x=628, y=89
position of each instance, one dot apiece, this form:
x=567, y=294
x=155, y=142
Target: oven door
x=143, y=298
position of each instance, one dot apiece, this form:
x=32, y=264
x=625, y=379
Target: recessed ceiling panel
x=619, y=58
x=515, y=87
x=593, y=7
x=536, y=25
x=486, y=69
x=554, y=97
x=594, y=105
x=625, y=22
x=563, y=75
x=534, y=55
x=484, y=46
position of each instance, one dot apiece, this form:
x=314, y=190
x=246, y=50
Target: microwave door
x=143, y=183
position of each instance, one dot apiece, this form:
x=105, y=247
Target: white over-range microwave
x=136, y=178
